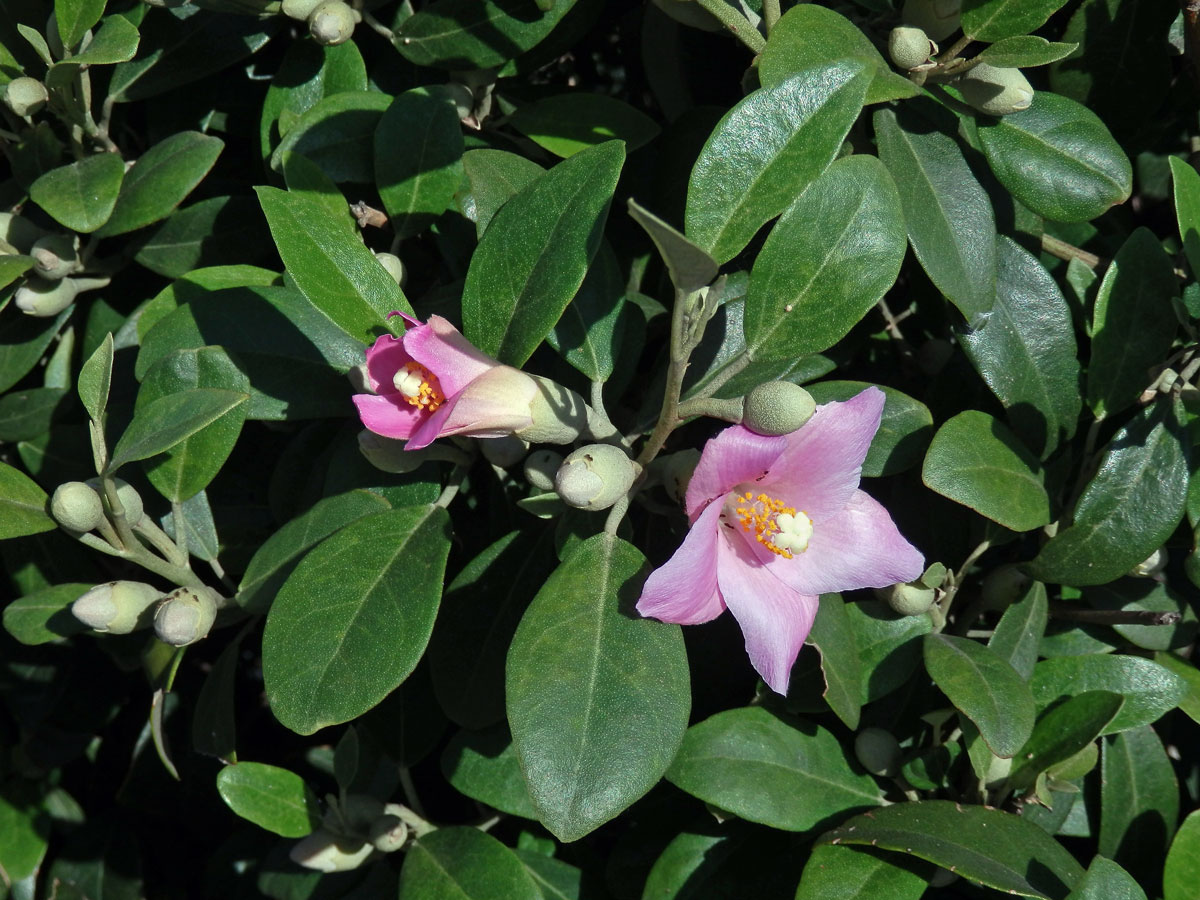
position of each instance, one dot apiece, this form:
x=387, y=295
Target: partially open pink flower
x=777, y=521
x=432, y=383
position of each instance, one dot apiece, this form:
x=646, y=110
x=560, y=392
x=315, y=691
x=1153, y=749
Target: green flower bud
x=877, y=751
x=909, y=47
x=677, y=472
x=540, y=468
x=909, y=599
x=937, y=18
x=76, y=506
x=1004, y=586
x=54, y=257
x=559, y=414
x=25, y=96
x=389, y=455
x=18, y=232
x=994, y=90
x=299, y=10
x=503, y=451
x=118, y=607
x=394, y=267
x=131, y=500
x=777, y=407
x=595, y=477
x=185, y=616
x=389, y=831
x=323, y=851
x=331, y=23
x=42, y=298
x=1151, y=565
x=463, y=98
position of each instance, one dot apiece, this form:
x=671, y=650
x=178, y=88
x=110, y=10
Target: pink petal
x=775, y=619
x=384, y=416
x=684, y=589
x=441, y=348
x=735, y=456
x=384, y=358
x=822, y=465
x=495, y=404
x=857, y=548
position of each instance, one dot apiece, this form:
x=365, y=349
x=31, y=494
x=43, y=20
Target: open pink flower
x=777, y=521
x=432, y=383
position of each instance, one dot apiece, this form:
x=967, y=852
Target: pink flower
x=433, y=383
x=777, y=521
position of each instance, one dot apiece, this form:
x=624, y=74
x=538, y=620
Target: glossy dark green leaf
x=1025, y=350
x=1062, y=731
x=214, y=727
x=13, y=267
x=689, y=266
x=408, y=724
x=330, y=266
x=535, y=253
x=464, y=863
x=160, y=180
x=1150, y=690
x=337, y=133
x=219, y=229
x=1181, y=873
x=196, y=285
x=834, y=872
x=1025, y=50
x=761, y=768
x=564, y=124
x=27, y=414
x=1129, y=508
x=115, y=41
x=976, y=461
x=1020, y=629
x=418, y=158
x=353, y=619
x=949, y=217
x=476, y=34
x=304, y=177
x=591, y=329
x=95, y=378
x=994, y=20
x=1186, y=182
x=45, y=615
x=809, y=35
x=766, y=150
x=307, y=74
x=166, y=421
x=1105, y=880
x=22, y=504
x=833, y=635
x=1139, y=802
x=889, y=646
x=81, y=195
x=483, y=765
x=1190, y=702
x=556, y=879
x=74, y=18
x=270, y=797
x=23, y=340
x=829, y=259
x=494, y=176
x=981, y=844
x=985, y=688
x=904, y=432
x=25, y=827
x=598, y=700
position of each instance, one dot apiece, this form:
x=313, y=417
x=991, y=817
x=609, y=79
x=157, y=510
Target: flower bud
x=42, y=298
x=1151, y=565
x=185, y=616
x=677, y=472
x=463, y=98
x=777, y=407
x=937, y=18
x=389, y=455
x=595, y=477
x=18, y=232
x=503, y=451
x=322, y=851
x=131, y=500
x=388, y=832
x=909, y=599
x=394, y=267
x=76, y=506
x=299, y=10
x=878, y=751
x=25, y=96
x=559, y=414
x=995, y=90
x=1004, y=586
x=331, y=23
x=909, y=46
x=54, y=257
x=540, y=468
x=118, y=607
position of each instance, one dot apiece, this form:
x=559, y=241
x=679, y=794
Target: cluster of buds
x=55, y=280
x=330, y=22
x=353, y=832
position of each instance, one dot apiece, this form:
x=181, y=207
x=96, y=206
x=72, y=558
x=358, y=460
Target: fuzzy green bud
x=25, y=96
x=18, y=232
x=76, y=506
x=878, y=751
x=995, y=90
x=937, y=18
x=185, y=616
x=595, y=477
x=1151, y=565
x=131, y=500
x=503, y=451
x=1004, y=586
x=324, y=851
x=54, y=256
x=299, y=10
x=389, y=831
x=909, y=47
x=559, y=414
x=777, y=407
x=462, y=96
x=909, y=599
x=540, y=468
x=395, y=268
x=677, y=472
x=117, y=607
x=42, y=298
x=331, y=23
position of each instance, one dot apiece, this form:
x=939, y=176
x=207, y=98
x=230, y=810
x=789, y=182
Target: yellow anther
x=776, y=526
x=418, y=386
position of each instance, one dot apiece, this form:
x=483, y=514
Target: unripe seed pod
x=394, y=267
x=878, y=751
x=503, y=451
x=331, y=23
x=937, y=18
x=76, y=506
x=118, y=607
x=42, y=298
x=909, y=599
x=1151, y=565
x=995, y=90
x=389, y=831
x=185, y=616
x=323, y=851
x=131, y=500
x=595, y=477
x=54, y=256
x=299, y=10
x=540, y=468
x=25, y=96
x=19, y=232
x=777, y=407
x=909, y=46
x=1004, y=586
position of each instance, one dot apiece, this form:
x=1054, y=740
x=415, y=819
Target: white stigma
x=795, y=531
x=408, y=382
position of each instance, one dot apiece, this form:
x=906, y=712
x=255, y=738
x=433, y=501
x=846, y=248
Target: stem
x=954, y=49
x=378, y=27
x=410, y=796
x=732, y=368
x=450, y=491
x=943, y=608
x=735, y=22
x=618, y=510
x=729, y=410
x=116, y=513
x=163, y=544
x=1068, y=252
x=668, y=416
x=1060, y=610
x=770, y=14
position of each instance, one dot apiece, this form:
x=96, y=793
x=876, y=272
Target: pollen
x=778, y=527
x=419, y=386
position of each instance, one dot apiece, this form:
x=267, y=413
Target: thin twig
x=1072, y=613
x=1068, y=252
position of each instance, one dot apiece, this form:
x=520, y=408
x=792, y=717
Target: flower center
x=419, y=386
x=777, y=527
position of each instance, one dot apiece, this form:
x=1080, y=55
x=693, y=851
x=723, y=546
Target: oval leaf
x=161, y=424
x=45, y=615
x=484, y=766
x=337, y=134
x=568, y=123
x=1150, y=690
x=270, y=797
x=81, y=196
x=834, y=872
x=476, y=34
x=1139, y=802
x=1182, y=871
x=22, y=504
x=992, y=20
x=1062, y=731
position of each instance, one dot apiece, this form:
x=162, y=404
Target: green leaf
x=337, y=133
x=270, y=797
x=949, y=217
x=45, y=616
x=116, y=41
x=74, y=18
x=189, y=466
x=1181, y=873
x=1058, y=158
x=1105, y=880
x=160, y=180
x=1024, y=51
x=304, y=178
x=766, y=150
x=331, y=266
x=28, y=414
x=556, y=879
x=1062, y=731
x=476, y=34
x=809, y=35
x=494, y=176
x=1129, y=508
x=1190, y=702
x=994, y=20
x=1020, y=629
x=985, y=688
x=308, y=73
x=597, y=699
x=981, y=844
x=197, y=284
x=1149, y=690
x=483, y=765
x=565, y=124
x=1025, y=350
x=162, y=423
x=214, y=726
x=833, y=636
x=764, y=770
x=889, y=646
x=95, y=379
x=1139, y=803
x=535, y=253
x=593, y=325
x=23, y=341
x=13, y=267
x=418, y=158
x=463, y=863
x=353, y=619
x=689, y=266
x=22, y=505
x=219, y=229
x=829, y=259
x=904, y=431
x=976, y=461
x=1146, y=595
x=834, y=872
x=81, y=196
x=26, y=829
x=1186, y=181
